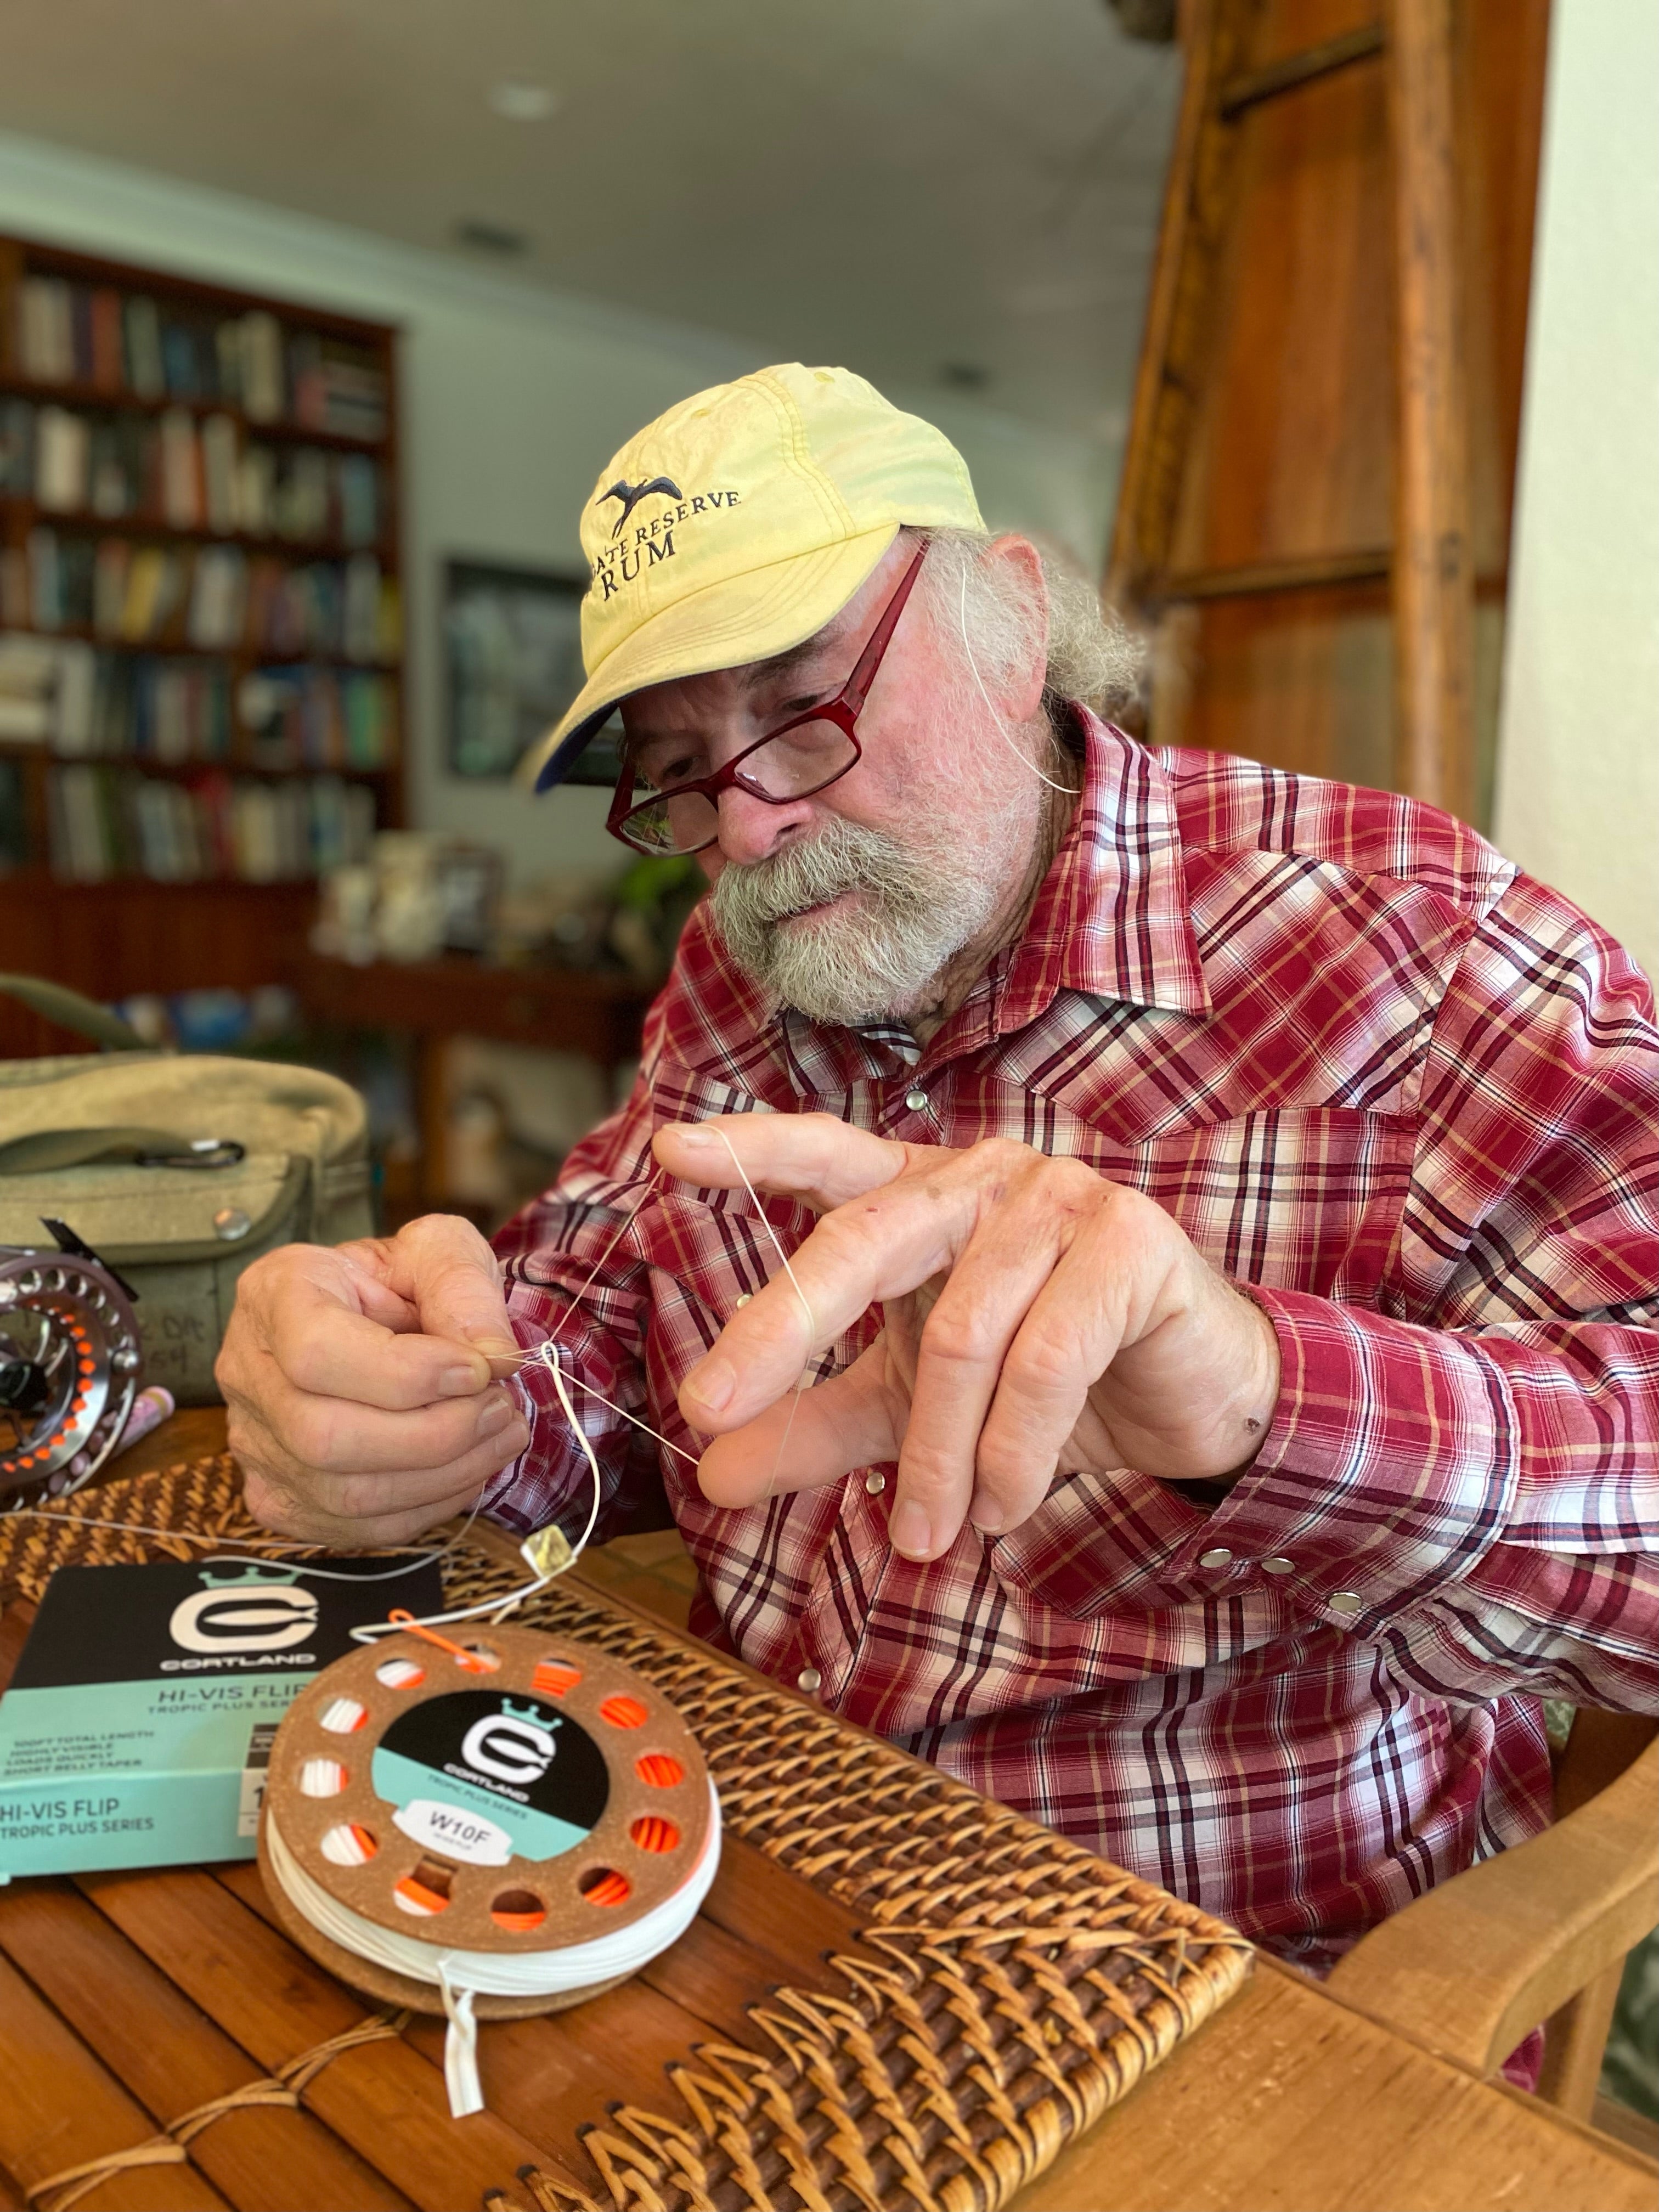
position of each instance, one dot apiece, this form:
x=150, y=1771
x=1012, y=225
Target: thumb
x=856, y=1418
x=449, y=1274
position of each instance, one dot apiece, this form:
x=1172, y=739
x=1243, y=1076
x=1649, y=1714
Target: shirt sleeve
x=573, y=1280
x=1468, y=1474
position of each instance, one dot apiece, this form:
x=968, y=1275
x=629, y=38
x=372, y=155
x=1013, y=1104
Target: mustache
x=843, y=856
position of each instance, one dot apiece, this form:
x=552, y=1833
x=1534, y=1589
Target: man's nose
x=752, y=830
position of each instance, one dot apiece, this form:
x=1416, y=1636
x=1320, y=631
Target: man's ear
x=1022, y=687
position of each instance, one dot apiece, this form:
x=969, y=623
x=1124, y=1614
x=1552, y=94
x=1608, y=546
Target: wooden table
x=1286, y=2101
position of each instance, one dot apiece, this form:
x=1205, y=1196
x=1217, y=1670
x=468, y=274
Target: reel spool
x=524, y=1812
x=69, y=1358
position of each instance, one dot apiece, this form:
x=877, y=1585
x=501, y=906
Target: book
x=45, y=594
x=16, y=447
x=263, y=392
x=80, y=301
x=149, y=595
x=108, y=365
x=29, y=676
x=219, y=466
x=256, y=484
x=75, y=698
x=142, y=328
x=45, y=331
x=181, y=470
x=138, y=1725
x=109, y=585
x=357, y=492
x=62, y=460
x=360, y=622
x=300, y=507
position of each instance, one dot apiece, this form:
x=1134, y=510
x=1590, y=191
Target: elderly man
x=1219, y=1207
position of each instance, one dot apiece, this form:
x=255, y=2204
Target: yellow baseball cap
x=737, y=524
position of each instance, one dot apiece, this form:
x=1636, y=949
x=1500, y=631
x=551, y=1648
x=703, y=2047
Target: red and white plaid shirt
x=1404, y=1093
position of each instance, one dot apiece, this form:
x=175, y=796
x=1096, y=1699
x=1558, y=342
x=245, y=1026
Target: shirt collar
x=1110, y=920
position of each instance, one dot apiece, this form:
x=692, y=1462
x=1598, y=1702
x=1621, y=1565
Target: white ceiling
x=905, y=184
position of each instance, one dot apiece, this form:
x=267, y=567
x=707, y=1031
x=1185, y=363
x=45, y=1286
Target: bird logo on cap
x=631, y=494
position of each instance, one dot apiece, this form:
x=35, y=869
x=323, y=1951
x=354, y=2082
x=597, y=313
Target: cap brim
x=724, y=625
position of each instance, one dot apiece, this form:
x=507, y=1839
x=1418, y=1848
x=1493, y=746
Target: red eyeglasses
x=799, y=758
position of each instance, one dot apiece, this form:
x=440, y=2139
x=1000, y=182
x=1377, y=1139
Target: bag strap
x=47, y=1151
x=57, y=1003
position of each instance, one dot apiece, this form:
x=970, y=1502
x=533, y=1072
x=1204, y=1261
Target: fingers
x=1112, y=1281
x=881, y=1245
x=448, y=1271
x=811, y=1157
x=349, y=1508
x=335, y=1326
x=958, y=1364
x=853, y=1420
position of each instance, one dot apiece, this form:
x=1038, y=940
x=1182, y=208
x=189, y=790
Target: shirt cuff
x=1388, y=1470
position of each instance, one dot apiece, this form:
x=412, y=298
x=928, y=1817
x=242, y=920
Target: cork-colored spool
x=635, y=1807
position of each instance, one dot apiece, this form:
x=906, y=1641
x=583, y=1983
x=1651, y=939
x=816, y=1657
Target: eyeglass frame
x=844, y=710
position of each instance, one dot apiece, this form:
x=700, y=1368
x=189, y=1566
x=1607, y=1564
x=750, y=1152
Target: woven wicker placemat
x=1009, y=1985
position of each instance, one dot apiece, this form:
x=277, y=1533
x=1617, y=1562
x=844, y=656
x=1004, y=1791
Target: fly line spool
x=486, y=1829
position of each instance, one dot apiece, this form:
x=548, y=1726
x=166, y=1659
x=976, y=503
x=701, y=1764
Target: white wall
x=1578, y=758
x=514, y=396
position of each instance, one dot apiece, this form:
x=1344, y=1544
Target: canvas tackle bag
x=177, y=1170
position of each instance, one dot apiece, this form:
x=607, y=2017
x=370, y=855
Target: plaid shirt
x=1406, y=1095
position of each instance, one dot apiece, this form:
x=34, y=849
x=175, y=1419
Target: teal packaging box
x=137, y=1727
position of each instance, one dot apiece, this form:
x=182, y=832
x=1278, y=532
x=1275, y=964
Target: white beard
x=914, y=906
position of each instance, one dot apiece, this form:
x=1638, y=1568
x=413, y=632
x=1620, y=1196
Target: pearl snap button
x=1278, y=1566
x=1221, y=1557
x=744, y=1299
x=916, y=1099
x=875, y=1482
x=1346, y=1603
x=808, y=1680
x=231, y=1224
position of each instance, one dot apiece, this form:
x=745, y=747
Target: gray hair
x=1092, y=656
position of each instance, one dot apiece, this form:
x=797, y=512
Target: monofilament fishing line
x=490, y=1829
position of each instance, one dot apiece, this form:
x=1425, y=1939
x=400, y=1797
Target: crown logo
x=532, y=1713
x=257, y=1574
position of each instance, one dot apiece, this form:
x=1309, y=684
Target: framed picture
x=512, y=663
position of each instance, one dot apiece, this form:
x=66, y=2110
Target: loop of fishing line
x=547, y=1551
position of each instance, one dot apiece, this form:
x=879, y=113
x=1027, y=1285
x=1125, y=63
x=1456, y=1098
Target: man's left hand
x=1039, y=1320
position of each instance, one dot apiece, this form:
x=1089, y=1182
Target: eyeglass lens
x=791, y=765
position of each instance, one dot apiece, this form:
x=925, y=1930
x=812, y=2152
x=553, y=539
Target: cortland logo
x=631, y=494
x=252, y=1612
x=512, y=1745
x=647, y=544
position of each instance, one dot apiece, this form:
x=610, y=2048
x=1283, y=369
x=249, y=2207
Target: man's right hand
x=362, y=1382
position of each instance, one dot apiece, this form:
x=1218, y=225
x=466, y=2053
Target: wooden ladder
x=1314, y=507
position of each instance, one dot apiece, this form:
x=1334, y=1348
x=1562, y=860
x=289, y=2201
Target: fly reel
x=70, y=1360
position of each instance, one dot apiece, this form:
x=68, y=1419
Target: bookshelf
x=201, y=696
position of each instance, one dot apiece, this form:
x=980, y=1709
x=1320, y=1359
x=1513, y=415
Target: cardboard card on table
x=137, y=1727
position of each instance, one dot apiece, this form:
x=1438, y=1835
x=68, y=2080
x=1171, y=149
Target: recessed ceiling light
x=519, y=101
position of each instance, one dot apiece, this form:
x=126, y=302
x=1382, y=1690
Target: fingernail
x=460, y=1382
x=698, y=1140
x=909, y=1530
x=712, y=1381
x=496, y=1416
x=986, y=1514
